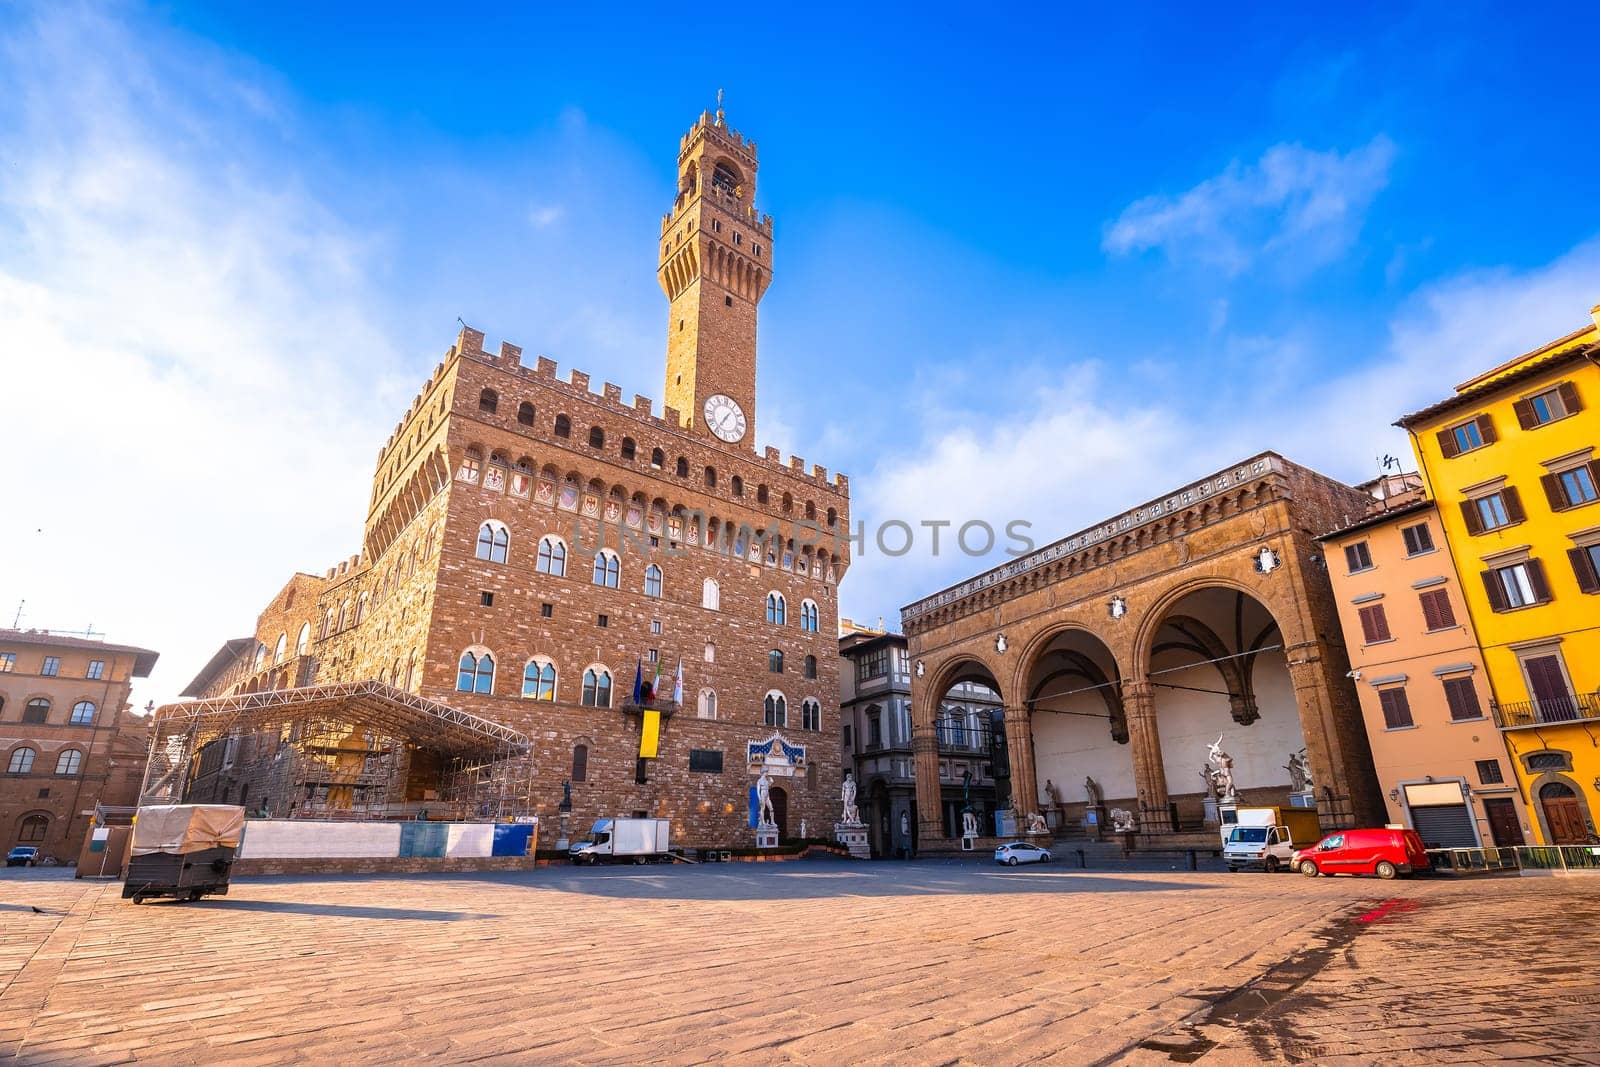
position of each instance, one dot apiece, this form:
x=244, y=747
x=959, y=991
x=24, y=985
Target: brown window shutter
x=1369, y=632
x=1594, y=471
x=1513, y=499
x=1447, y=444
x=1496, y=591
x=1525, y=416
x=1442, y=608
x=1469, y=513
x=1541, y=588
x=1486, y=429
x=1430, y=611
x=1553, y=491
x=1583, y=567
x=1380, y=622
x=1569, y=398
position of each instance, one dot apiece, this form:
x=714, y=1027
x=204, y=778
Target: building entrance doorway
x=1563, y=815
x=1504, y=828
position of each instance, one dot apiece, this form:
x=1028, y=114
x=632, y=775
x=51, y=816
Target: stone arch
x=1152, y=616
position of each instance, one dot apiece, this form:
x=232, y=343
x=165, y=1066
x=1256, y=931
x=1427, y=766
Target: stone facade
x=1212, y=600
x=502, y=485
x=68, y=738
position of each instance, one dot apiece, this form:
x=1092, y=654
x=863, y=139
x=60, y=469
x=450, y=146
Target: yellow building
x=1510, y=461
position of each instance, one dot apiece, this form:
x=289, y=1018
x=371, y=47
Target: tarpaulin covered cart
x=182, y=850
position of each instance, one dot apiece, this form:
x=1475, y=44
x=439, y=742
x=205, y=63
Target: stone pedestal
x=966, y=843
x=766, y=836
x=1005, y=824
x=562, y=843
x=853, y=836
x=1213, y=814
x=1094, y=821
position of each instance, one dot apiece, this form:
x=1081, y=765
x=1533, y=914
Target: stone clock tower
x=716, y=261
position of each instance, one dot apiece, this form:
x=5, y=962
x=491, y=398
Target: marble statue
x=847, y=794
x=802, y=829
x=1210, y=780
x=969, y=824
x=1121, y=820
x=1053, y=791
x=1299, y=768
x=764, y=815
x=1096, y=797
x=1036, y=824
x=1222, y=768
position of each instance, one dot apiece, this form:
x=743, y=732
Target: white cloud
x=1296, y=206
x=545, y=215
x=189, y=348
x=1076, y=455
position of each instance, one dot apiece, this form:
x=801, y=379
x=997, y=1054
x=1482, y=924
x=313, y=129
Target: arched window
x=711, y=594
x=652, y=580
x=737, y=484
x=711, y=652
x=761, y=494
x=83, y=713
x=36, y=711
x=361, y=609
x=607, y=568
x=325, y=625
x=489, y=401
x=833, y=516
x=69, y=761
x=476, y=673
x=711, y=477
x=597, y=437
x=629, y=449
x=344, y=613
x=329, y=625
x=597, y=688
x=777, y=609
x=810, y=715
x=280, y=649
x=552, y=557
x=808, y=616
x=563, y=426
x=775, y=709
x=525, y=414
x=494, y=541
x=683, y=467
x=658, y=458
x=34, y=828
x=775, y=661
x=725, y=178
x=707, y=704
x=302, y=644
x=580, y=763
x=21, y=761
x=539, y=679
x=411, y=667
x=811, y=667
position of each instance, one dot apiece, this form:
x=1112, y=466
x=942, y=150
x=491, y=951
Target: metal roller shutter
x=1445, y=826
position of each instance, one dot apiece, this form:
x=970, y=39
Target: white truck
x=1267, y=837
x=616, y=840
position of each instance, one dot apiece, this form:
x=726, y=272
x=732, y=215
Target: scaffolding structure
x=357, y=750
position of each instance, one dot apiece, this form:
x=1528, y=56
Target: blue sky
x=1041, y=266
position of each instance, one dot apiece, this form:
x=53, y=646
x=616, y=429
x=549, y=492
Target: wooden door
x=1504, y=828
x=1563, y=815
x=780, y=811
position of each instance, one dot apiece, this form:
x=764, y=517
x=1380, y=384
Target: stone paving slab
x=805, y=963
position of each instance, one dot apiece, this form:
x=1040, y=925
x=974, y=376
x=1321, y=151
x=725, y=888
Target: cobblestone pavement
x=815, y=962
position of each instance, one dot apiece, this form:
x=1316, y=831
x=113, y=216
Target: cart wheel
x=138, y=898
x=194, y=895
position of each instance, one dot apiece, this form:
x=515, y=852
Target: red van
x=1387, y=852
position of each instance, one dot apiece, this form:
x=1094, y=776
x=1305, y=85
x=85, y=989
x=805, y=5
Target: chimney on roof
x=1594, y=313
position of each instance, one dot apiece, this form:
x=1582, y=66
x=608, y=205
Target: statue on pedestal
x=1299, y=769
x=1053, y=791
x=847, y=795
x=1222, y=768
x=764, y=815
x=969, y=823
x=1096, y=797
x=1036, y=823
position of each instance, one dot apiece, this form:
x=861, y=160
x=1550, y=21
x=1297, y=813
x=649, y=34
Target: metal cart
x=182, y=850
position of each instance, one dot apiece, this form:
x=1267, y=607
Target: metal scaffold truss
x=345, y=749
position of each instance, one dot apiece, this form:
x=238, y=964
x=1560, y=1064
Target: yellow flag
x=650, y=735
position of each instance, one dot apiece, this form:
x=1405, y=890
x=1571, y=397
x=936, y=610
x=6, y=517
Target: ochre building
x=68, y=738
x=533, y=546
x=1510, y=461
x=1123, y=652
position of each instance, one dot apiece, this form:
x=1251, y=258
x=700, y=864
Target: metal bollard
x=1083, y=861
x=1194, y=861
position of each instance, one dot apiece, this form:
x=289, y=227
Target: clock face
x=725, y=418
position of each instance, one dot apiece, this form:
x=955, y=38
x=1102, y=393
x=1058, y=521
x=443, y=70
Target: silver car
x=1020, y=852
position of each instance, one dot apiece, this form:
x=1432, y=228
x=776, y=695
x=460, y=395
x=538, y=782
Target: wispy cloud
x=1296, y=206
x=180, y=327
x=1076, y=454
